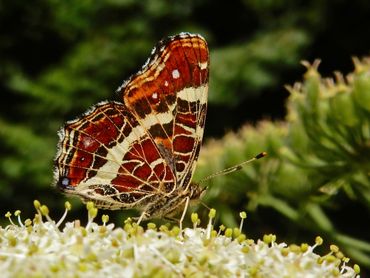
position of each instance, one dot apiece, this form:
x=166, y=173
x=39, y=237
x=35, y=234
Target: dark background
x=57, y=58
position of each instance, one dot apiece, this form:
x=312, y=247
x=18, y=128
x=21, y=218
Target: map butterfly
x=141, y=151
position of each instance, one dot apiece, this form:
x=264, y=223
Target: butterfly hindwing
x=108, y=157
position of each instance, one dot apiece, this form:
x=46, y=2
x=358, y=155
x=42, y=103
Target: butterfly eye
x=64, y=183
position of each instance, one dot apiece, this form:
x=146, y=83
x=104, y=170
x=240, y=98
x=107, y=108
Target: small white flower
x=44, y=249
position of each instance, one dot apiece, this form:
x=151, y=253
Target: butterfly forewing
x=128, y=153
x=169, y=99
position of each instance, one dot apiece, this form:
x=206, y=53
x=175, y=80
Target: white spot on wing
x=175, y=74
x=155, y=95
x=87, y=141
x=166, y=83
x=203, y=66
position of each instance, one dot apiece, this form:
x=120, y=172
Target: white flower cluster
x=39, y=248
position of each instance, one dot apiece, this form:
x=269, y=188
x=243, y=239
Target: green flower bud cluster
x=329, y=129
x=319, y=153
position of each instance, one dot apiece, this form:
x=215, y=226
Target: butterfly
x=141, y=151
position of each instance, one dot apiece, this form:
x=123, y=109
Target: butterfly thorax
x=168, y=205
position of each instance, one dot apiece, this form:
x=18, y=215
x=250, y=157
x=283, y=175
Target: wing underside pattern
x=122, y=155
x=171, y=102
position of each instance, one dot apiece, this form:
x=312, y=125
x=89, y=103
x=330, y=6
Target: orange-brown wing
x=106, y=156
x=168, y=98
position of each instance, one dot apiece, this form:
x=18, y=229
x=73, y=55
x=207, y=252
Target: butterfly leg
x=187, y=199
x=142, y=217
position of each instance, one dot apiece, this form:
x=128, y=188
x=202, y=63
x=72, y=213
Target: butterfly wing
x=107, y=157
x=123, y=155
x=169, y=99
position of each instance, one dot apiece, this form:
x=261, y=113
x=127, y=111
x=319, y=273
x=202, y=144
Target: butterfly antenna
x=233, y=168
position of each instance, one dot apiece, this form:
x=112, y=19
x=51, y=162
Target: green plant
x=318, y=159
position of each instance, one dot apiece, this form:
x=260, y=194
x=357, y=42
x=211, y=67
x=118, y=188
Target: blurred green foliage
x=57, y=58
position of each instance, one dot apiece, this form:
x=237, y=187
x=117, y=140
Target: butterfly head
x=196, y=192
